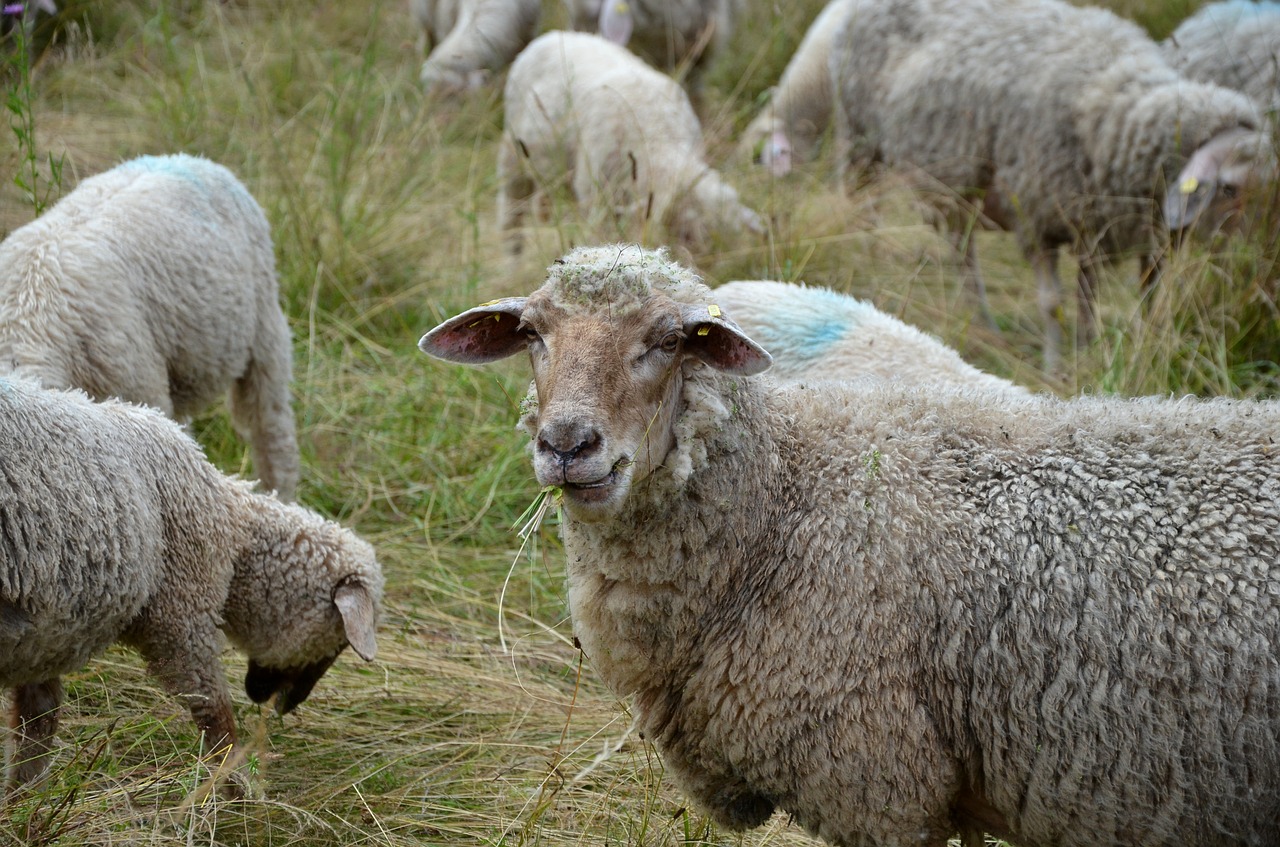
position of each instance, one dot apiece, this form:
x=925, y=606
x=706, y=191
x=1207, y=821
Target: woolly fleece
x=1232, y=43
x=155, y=282
x=469, y=40
x=114, y=527
x=623, y=135
x=816, y=333
x=893, y=612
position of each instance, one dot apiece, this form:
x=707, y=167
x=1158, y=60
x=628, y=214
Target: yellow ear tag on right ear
x=1189, y=185
x=704, y=330
x=490, y=303
x=713, y=310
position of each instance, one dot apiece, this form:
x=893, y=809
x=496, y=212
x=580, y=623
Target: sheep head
x=608, y=336
x=1213, y=185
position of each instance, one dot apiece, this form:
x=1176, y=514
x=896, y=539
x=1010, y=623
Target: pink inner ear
x=479, y=335
x=727, y=350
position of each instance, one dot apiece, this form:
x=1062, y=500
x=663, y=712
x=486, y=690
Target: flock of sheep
x=1073, y=603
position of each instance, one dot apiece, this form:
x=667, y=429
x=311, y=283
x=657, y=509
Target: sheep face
x=1211, y=190
x=608, y=344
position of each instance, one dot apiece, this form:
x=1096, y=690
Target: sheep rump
x=155, y=282
x=114, y=527
x=897, y=613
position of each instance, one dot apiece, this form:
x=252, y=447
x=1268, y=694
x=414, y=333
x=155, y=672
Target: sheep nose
x=568, y=441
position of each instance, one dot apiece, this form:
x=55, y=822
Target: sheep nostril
x=569, y=445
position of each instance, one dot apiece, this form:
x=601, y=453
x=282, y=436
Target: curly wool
x=114, y=527
x=881, y=609
x=155, y=282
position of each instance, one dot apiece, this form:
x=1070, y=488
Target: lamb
x=897, y=612
x=669, y=34
x=1231, y=43
x=799, y=108
x=155, y=282
x=818, y=333
x=117, y=529
x=1063, y=124
x=583, y=109
x=469, y=40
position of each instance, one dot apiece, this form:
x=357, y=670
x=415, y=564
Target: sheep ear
x=1197, y=185
x=484, y=334
x=617, y=21
x=720, y=343
x=355, y=604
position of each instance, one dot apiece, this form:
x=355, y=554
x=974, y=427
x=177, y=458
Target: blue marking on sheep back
x=203, y=174
x=807, y=327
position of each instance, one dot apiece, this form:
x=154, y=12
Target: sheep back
x=1232, y=43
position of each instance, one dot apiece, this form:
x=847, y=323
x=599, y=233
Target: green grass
x=382, y=206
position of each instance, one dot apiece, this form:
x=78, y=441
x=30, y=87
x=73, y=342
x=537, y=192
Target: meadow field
x=479, y=722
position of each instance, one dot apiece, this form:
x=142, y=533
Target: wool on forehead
x=621, y=276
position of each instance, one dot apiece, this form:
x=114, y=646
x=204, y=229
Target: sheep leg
x=1049, y=290
x=1086, y=301
x=33, y=721
x=962, y=239
x=515, y=187
x=185, y=662
x=262, y=413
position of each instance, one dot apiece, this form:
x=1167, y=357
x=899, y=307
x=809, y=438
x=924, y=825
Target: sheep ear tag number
x=714, y=311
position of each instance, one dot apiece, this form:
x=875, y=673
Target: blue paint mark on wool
x=806, y=327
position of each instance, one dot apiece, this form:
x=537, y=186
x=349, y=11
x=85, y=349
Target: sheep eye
x=529, y=332
x=670, y=343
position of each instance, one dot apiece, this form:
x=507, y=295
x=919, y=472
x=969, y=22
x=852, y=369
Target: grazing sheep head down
x=609, y=336
x=1212, y=187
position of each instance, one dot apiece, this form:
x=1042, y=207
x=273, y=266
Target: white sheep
x=1231, y=43
x=117, y=529
x=815, y=333
x=669, y=34
x=155, y=282
x=799, y=109
x=582, y=109
x=893, y=612
x=469, y=40
x=1063, y=124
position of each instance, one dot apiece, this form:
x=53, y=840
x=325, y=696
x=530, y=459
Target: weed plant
x=382, y=207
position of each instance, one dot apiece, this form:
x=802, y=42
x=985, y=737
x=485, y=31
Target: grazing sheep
x=1232, y=43
x=897, y=613
x=155, y=282
x=1063, y=124
x=799, y=107
x=583, y=109
x=469, y=40
x=666, y=33
x=818, y=333
x=117, y=529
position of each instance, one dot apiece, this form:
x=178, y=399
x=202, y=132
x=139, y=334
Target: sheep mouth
x=599, y=489
x=291, y=686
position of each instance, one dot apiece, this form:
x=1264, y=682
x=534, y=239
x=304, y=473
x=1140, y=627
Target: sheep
x=1063, y=124
x=1231, y=43
x=799, y=108
x=818, y=333
x=155, y=282
x=668, y=34
x=117, y=529
x=469, y=40
x=581, y=108
x=893, y=611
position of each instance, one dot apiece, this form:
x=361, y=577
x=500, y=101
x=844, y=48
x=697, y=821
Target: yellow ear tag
x=490, y=303
x=622, y=8
x=497, y=318
x=713, y=310
x=704, y=330
x=1189, y=185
